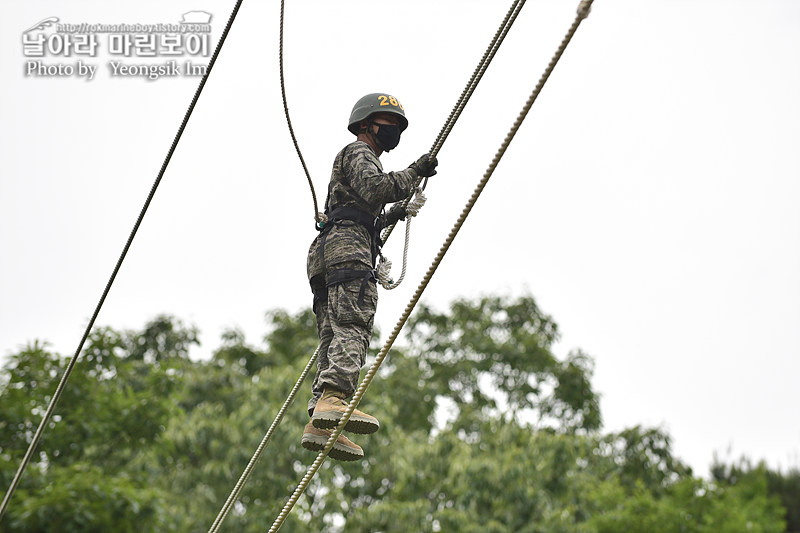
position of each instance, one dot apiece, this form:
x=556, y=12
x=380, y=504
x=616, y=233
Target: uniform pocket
x=348, y=306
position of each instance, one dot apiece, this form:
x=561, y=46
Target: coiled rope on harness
x=583, y=12
x=70, y=366
x=384, y=265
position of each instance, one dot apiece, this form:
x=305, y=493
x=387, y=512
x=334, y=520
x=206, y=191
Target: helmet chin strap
x=373, y=136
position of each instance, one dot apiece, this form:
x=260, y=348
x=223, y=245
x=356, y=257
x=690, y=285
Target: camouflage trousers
x=345, y=314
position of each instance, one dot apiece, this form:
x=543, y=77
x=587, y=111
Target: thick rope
x=62, y=384
x=318, y=217
x=237, y=490
x=468, y=91
x=583, y=11
x=472, y=84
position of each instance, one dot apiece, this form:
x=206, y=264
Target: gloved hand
x=425, y=166
x=396, y=213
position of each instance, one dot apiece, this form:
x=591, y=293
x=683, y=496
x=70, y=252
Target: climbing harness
x=70, y=366
x=373, y=225
x=344, y=275
x=583, y=12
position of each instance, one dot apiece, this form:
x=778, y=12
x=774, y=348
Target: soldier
x=341, y=265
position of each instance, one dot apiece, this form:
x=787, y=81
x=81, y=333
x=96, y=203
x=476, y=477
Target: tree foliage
x=783, y=486
x=483, y=429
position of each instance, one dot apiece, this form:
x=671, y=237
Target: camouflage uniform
x=341, y=263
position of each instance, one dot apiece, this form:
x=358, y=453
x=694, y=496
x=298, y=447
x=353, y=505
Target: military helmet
x=372, y=104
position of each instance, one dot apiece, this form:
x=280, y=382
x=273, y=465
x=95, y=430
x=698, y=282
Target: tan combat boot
x=344, y=449
x=330, y=408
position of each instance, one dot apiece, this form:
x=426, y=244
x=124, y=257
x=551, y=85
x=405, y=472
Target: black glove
x=425, y=166
x=397, y=212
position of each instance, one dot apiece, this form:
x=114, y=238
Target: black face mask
x=388, y=136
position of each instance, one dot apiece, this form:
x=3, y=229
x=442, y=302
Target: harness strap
x=345, y=274
x=356, y=215
x=372, y=224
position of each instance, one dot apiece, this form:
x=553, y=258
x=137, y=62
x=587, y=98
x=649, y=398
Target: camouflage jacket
x=357, y=181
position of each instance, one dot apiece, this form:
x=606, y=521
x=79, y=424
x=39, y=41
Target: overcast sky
x=649, y=202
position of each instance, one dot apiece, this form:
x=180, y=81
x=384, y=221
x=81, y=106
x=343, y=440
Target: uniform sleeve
x=367, y=178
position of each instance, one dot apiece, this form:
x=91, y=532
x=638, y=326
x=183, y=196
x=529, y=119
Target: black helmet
x=372, y=104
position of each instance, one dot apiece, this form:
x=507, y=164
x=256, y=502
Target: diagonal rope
x=466, y=94
x=317, y=215
x=583, y=12
x=469, y=90
x=68, y=371
x=237, y=490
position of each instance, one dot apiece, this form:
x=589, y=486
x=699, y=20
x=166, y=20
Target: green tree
x=83, y=477
x=786, y=486
x=483, y=429
x=783, y=486
x=494, y=357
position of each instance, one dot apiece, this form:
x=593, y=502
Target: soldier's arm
x=371, y=183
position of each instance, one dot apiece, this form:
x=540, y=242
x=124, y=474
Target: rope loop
x=321, y=220
x=413, y=207
x=384, y=265
x=384, y=273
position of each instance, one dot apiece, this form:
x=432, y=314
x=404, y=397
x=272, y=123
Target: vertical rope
x=70, y=366
x=317, y=215
x=583, y=11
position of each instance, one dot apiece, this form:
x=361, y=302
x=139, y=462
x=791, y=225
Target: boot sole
x=340, y=452
x=357, y=424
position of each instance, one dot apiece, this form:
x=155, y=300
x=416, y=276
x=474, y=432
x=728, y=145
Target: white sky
x=649, y=202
